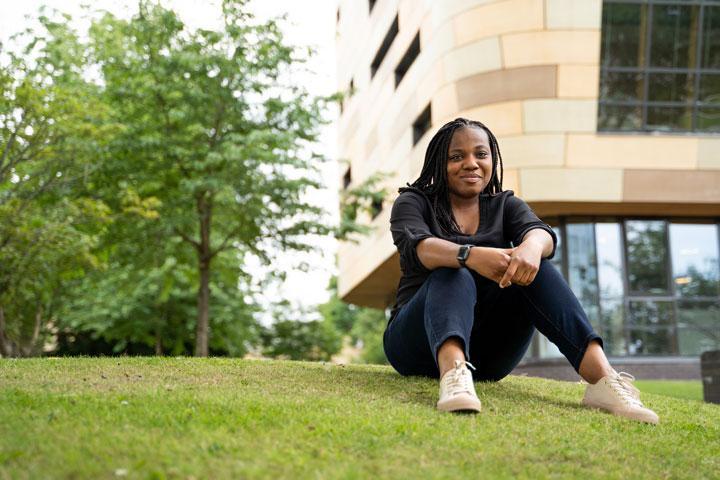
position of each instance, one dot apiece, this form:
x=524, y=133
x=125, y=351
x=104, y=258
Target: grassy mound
x=230, y=418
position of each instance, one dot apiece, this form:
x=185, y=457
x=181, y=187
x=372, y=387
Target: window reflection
x=672, y=275
x=658, y=66
x=623, y=42
x=651, y=328
x=698, y=326
x=646, y=256
x=557, y=258
x=608, y=240
x=609, y=259
x=695, y=259
x=674, y=36
x=612, y=329
x=711, y=38
x=581, y=267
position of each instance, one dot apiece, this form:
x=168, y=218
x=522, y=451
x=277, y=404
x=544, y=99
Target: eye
x=481, y=154
x=455, y=157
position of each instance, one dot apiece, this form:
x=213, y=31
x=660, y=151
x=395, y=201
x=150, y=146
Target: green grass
x=228, y=418
x=687, y=389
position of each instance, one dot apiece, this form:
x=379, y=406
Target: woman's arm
x=489, y=262
x=541, y=238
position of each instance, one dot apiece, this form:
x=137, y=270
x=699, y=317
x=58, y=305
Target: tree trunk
x=204, y=207
x=158, y=342
x=5, y=346
x=27, y=350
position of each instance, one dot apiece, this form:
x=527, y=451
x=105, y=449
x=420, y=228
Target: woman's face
x=469, y=165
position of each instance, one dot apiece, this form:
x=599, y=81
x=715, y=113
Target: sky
x=309, y=23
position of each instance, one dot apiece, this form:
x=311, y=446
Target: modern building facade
x=608, y=118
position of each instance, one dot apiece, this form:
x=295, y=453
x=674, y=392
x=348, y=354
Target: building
x=608, y=119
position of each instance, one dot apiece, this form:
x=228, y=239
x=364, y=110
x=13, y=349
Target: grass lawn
x=687, y=389
x=229, y=418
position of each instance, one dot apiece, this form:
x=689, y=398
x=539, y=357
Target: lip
x=471, y=178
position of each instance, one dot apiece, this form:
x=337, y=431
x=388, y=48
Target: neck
x=462, y=203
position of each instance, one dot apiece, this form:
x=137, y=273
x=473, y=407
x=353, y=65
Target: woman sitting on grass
x=465, y=295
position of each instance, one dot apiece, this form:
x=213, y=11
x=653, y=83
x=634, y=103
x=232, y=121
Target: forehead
x=469, y=137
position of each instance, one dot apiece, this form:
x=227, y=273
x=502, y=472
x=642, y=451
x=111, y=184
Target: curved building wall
x=529, y=69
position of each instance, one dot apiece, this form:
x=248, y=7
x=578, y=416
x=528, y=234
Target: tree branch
x=225, y=243
x=192, y=242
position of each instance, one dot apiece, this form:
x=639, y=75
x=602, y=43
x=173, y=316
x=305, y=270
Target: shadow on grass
x=423, y=391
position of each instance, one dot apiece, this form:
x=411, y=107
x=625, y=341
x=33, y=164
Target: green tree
x=296, y=339
x=52, y=125
x=213, y=130
x=363, y=325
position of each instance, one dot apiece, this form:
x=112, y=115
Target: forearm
x=435, y=252
x=541, y=239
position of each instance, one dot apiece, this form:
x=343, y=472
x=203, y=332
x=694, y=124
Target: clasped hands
x=506, y=266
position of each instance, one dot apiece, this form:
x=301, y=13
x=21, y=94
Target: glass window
x=674, y=35
x=711, y=38
x=612, y=328
x=698, y=326
x=608, y=240
x=694, y=250
x=557, y=259
x=651, y=76
x=671, y=87
x=582, y=269
x=620, y=117
x=709, y=88
x=546, y=348
x=651, y=328
x=709, y=119
x=623, y=86
x=653, y=291
x=669, y=118
x=646, y=256
x=623, y=42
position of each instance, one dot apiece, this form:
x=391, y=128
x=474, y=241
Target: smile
x=471, y=179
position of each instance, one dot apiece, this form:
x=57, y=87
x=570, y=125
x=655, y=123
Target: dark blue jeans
x=495, y=325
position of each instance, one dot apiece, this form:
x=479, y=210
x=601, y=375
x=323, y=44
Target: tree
x=301, y=340
x=51, y=126
x=213, y=131
x=364, y=326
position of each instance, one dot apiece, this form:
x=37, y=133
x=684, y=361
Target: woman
x=466, y=295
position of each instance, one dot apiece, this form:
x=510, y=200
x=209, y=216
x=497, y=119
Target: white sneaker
x=457, y=392
x=616, y=394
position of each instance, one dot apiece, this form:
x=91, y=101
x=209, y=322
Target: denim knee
x=455, y=279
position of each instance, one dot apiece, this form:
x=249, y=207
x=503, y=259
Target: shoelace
x=621, y=382
x=460, y=379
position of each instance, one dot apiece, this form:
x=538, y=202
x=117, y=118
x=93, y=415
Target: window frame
x=644, y=104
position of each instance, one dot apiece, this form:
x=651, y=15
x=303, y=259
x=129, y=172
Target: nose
x=471, y=163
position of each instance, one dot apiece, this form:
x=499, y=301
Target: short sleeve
x=519, y=219
x=408, y=227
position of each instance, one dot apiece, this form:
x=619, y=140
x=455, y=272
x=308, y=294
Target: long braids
x=433, y=177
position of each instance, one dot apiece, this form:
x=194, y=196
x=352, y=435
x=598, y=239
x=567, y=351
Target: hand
x=490, y=262
x=524, y=265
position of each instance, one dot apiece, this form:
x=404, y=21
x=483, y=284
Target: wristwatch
x=463, y=254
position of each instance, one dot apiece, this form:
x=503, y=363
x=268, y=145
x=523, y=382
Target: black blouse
x=504, y=218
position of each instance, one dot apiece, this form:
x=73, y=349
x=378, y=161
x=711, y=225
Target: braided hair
x=433, y=180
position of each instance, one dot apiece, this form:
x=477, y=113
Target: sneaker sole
x=460, y=404
x=623, y=414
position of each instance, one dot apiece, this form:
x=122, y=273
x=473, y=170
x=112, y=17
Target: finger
x=520, y=276
x=526, y=278
x=517, y=278
x=509, y=273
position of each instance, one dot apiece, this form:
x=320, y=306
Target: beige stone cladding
x=529, y=70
